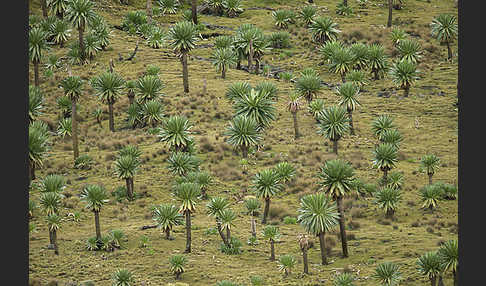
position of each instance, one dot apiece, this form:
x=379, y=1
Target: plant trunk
x=149, y=12
x=454, y=274
x=250, y=56
x=390, y=8
x=194, y=11
x=257, y=66
x=244, y=150
x=389, y=213
x=406, y=90
x=322, y=244
x=129, y=187
x=218, y=227
x=430, y=178
x=44, y=8
x=188, y=232
x=449, y=51
x=385, y=176
x=228, y=234
x=238, y=63
x=185, y=75
x=351, y=125
x=375, y=72
x=54, y=241
x=304, y=257
x=51, y=238
x=440, y=282
x=265, y=211
x=432, y=281
x=253, y=226
x=131, y=97
x=167, y=233
x=345, y=2
x=132, y=189
x=32, y=170
x=223, y=72
x=343, y=77
x=335, y=146
x=311, y=1
x=112, y=120
x=81, y=41
x=36, y=73
x=97, y=225
x=296, y=126
x=272, y=250
x=344, y=239
x=74, y=129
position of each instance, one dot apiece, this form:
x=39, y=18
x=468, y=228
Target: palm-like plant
x=333, y=124
x=130, y=150
x=95, y=197
x=348, y=92
x=50, y=202
x=38, y=146
x=395, y=180
x=304, y=246
x=169, y=6
x=57, y=7
x=232, y=7
x=323, y=29
x=357, y=77
x=175, y=132
x=430, y=196
x=409, y=50
x=317, y=214
x=381, y=124
x=108, y=86
x=388, y=274
x=92, y=45
x=177, y=263
x=80, y=13
x=344, y=279
x=224, y=58
x=222, y=42
x=377, y=60
x=429, y=265
x=156, y=38
x=448, y=256
x=272, y=234
x=65, y=127
x=53, y=183
x=214, y=208
x=316, y=108
x=307, y=14
x=293, y=106
x=126, y=167
x=360, y=52
x=444, y=29
x=430, y=163
x=342, y=61
x=148, y=88
x=285, y=171
x=54, y=225
x=387, y=199
x=268, y=89
x=336, y=180
x=286, y=263
x=152, y=112
x=385, y=156
x=281, y=19
x=397, y=35
x=266, y=184
x=37, y=46
x=257, y=106
x=123, y=277
x=308, y=86
x=392, y=136
x=202, y=178
x=167, y=216
x=328, y=49
x=183, y=37
x=227, y=217
x=73, y=87
x=238, y=89
x=404, y=74
x=243, y=132
x=252, y=205
x=130, y=87
x=60, y=32
x=187, y=194
x=181, y=163
x=36, y=99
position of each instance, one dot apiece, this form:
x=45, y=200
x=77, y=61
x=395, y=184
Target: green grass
x=210, y=113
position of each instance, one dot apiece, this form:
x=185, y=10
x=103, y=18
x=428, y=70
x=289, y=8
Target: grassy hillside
x=375, y=239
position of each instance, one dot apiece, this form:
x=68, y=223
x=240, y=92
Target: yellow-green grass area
x=376, y=239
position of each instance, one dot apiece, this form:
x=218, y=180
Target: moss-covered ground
x=376, y=239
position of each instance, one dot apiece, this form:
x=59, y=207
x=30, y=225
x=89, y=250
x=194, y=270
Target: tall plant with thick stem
x=243, y=132
x=272, y=234
x=227, y=217
x=266, y=184
x=304, y=247
x=318, y=215
x=81, y=14
x=293, y=106
x=448, y=255
x=252, y=206
x=333, y=124
x=336, y=180
x=109, y=86
x=167, y=216
x=429, y=265
x=175, y=132
x=348, y=92
x=38, y=146
x=95, y=197
x=183, y=38
x=385, y=156
x=214, y=208
x=54, y=225
x=445, y=30
x=73, y=87
x=37, y=46
x=126, y=167
x=187, y=194
x=430, y=164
